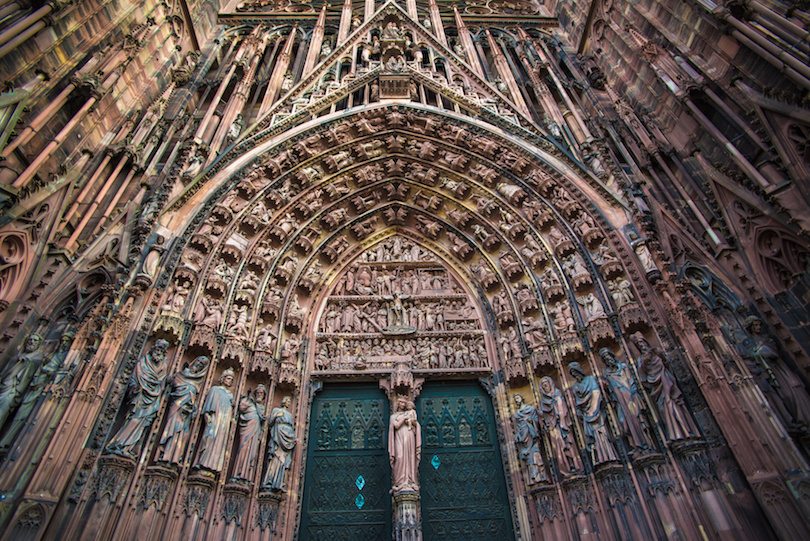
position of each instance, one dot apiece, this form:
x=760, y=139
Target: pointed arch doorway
x=398, y=316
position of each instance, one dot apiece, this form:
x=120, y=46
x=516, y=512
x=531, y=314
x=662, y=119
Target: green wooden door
x=348, y=475
x=461, y=475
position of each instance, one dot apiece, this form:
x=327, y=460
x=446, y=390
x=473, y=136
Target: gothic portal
x=404, y=270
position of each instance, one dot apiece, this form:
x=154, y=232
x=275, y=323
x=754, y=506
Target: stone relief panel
x=395, y=302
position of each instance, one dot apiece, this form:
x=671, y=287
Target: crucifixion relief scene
x=404, y=270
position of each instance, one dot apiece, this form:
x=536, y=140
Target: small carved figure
x=251, y=419
x=176, y=299
x=404, y=447
x=620, y=291
x=144, y=390
x=289, y=351
x=574, y=265
x=643, y=253
x=182, y=408
x=593, y=308
x=280, y=446
x=527, y=438
x=588, y=399
x=217, y=412
x=209, y=312
x=534, y=331
x=563, y=318
x=664, y=390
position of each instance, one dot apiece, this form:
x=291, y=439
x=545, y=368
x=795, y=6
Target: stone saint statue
x=32, y=397
x=761, y=350
x=280, y=446
x=182, y=407
x=404, y=447
x=554, y=413
x=625, y=396
x=527, y=437
x=251, y=419
x=145, y=390
x=217, y=411
x=664, y=390
x=588, y=398
x=16, y=381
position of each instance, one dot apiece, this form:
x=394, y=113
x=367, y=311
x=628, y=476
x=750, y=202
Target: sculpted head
x=640, y=342
x=227, y=377
x=285, y=402
x=66, y=339
x=32, y=343
x=260, y=394
x=753, y=325
x=608, y=357
x=198, y=365
x=547, y=384
x=159, y=350
x=402, y=403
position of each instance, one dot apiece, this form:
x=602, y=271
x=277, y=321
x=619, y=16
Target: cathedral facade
x=420, y=269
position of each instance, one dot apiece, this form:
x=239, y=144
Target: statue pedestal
x=407, y=519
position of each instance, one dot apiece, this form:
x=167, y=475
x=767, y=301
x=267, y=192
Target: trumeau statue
x=404, y=447
x=217, y=412
x=17, y=380
x=626, y=397
x=281, y=443
x=251, y=419
x=527, y=438
x=664, y=390
x=553, y=411
x=145, y=390
x=28, y=402
x=588, y=399
x=182, y=408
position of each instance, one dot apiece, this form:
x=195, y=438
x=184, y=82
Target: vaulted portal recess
x=402, y=435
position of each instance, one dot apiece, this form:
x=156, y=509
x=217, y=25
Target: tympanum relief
x=398, y=302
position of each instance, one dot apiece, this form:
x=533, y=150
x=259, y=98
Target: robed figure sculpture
x=251, y=419
x=404, y=447
x=182, y=407
x=217, y=411
x=280, y=446
x=145, y=390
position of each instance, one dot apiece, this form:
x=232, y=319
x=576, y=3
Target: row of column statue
x=145, y=393
x=551, y=416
